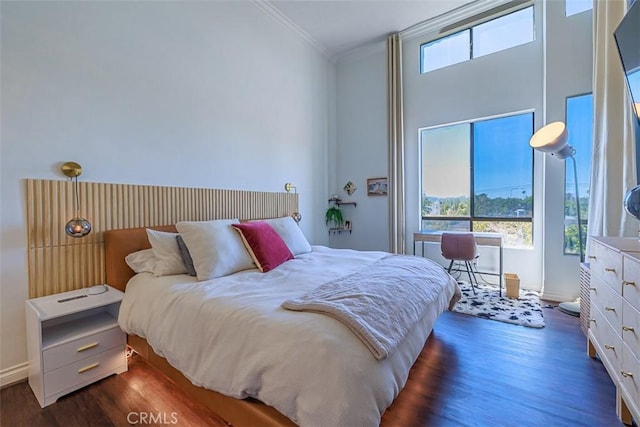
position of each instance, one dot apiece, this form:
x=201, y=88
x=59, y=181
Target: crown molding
x=268, y=8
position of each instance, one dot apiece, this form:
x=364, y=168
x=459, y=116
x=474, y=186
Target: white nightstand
x=73, y=339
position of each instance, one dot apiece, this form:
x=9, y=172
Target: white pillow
x=141, y=261
x=215, y=247
x=167, y=254
x=291, y=233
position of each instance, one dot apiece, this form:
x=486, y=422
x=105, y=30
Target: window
x=580, y=126
x=501, y=33
x=479, y=176
x=446, y=51
x=573, y=7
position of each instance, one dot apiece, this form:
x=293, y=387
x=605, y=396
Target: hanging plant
x=333, y=217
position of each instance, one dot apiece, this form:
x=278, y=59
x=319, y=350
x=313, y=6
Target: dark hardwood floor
x=473, y=372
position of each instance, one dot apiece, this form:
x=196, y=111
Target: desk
x=482, y=239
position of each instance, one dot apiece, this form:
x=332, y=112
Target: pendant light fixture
x=77, y=226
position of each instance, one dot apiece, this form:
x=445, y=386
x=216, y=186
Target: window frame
x=471, y=218
x=470, y=27
x=584, y=221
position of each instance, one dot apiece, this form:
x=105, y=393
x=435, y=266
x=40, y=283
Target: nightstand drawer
x=84, y=371
x=70, y=352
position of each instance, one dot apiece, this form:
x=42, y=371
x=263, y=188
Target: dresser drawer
x=608, y=302
x=73, y=351
x=630, y=278
x=607, y=264
x=84, y=371
x=631, y=329
x=609, y=342
x=630, y=378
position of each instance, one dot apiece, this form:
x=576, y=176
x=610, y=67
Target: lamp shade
x=553, y=138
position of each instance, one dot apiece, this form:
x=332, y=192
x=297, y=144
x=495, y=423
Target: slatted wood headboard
x=59, y=263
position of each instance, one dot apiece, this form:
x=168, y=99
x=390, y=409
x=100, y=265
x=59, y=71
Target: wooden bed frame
x=247, y=412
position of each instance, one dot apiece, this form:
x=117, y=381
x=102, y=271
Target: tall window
x=580, y=126
x=479, y=176
x=501, y=33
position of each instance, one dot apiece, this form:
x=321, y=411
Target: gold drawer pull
x=610, y=270
x=626, y=374
x=89, y=367
x=628, y=329
x=625, y=282
x=609, y=309
x=609, y=347
x=87, y=347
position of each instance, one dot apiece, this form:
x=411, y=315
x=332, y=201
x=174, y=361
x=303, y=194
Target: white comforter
x=231, y=335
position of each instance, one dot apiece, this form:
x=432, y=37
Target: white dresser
x=73, y=339
x=614, y=324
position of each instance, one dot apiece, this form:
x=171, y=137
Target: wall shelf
x=339, y=202
x=339, y=230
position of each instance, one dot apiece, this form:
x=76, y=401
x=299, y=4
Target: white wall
x=504, y=82
x=362, y=145
x=569, y=72
x=202, y=94
x=463, y=92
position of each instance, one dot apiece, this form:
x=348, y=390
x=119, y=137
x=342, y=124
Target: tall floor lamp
x=554, y=139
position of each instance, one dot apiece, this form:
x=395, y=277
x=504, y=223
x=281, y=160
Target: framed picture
x=376, y=186
x=347, y=225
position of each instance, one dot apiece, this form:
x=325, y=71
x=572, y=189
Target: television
x=627, y=36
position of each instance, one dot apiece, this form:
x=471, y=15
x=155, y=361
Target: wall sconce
x=297, y=216
x=77, y=226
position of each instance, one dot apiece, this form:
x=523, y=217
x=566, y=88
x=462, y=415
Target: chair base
x=470, y=273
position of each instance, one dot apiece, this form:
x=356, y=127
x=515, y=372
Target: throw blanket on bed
x=381, y=303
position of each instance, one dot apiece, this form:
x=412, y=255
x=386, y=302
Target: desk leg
x=501, y=254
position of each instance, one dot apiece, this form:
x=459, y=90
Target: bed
x=229, y=342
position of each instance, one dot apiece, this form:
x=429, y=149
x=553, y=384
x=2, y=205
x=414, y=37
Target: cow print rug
x=487, y=304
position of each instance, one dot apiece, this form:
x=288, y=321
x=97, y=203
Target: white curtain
x=395, y=124
x=613, y=165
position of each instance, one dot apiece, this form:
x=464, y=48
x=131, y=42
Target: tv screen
x=627, y=37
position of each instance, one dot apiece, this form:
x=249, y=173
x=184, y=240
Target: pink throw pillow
x=264, y=244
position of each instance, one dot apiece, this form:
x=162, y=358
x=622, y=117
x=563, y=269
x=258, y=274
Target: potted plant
x=333, y=218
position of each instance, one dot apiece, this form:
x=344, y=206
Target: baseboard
x=555, y=297
x=14, y=375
